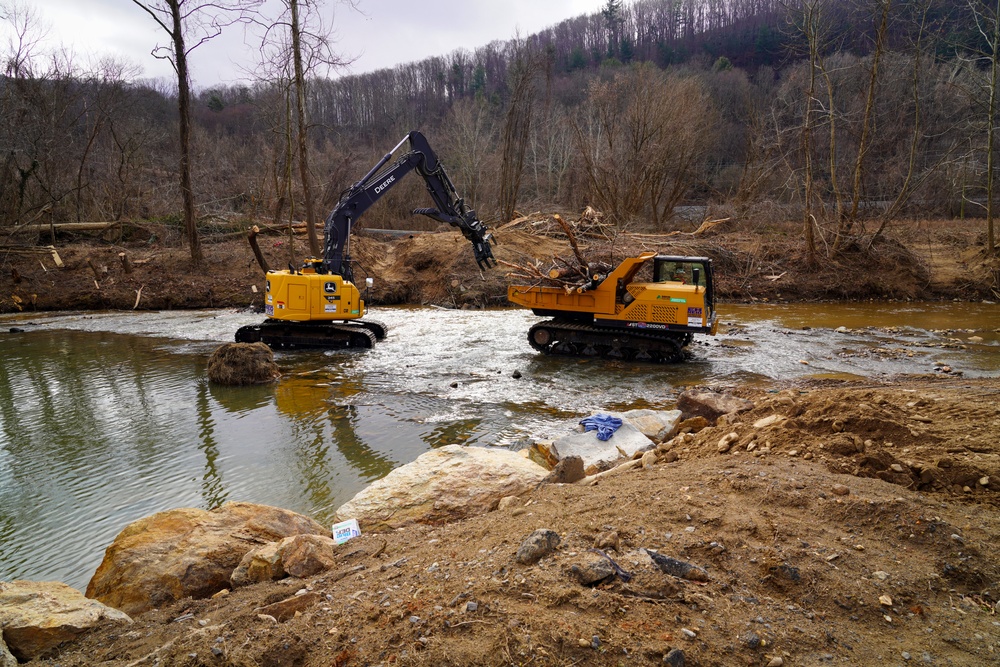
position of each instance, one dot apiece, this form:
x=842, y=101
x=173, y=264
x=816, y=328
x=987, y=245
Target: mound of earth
x=815, y=548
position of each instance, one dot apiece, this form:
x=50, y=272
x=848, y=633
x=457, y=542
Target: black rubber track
x=578, y=339
x=380, y=329
x=282, y=334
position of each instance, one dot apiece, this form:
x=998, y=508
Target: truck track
x=560, y=337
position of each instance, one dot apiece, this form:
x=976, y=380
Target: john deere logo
x=330, y=287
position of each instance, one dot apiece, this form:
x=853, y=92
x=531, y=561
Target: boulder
x=187, y=553
x=257, y=565
x=710, y=405
x=657, y=425
x=243, y=363
x=568, y=471
x=541, y=452
x=600, y=455
x=306, y=555
x=38, y=616
x=445, y=484
x=296, y=556
x=7, y=659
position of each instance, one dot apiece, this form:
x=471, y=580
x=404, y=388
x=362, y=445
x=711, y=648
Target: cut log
x=252, y=238
x=68, y=227
x=30, y=250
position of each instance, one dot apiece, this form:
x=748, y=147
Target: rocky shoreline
x=198, y=554
x=852, y=513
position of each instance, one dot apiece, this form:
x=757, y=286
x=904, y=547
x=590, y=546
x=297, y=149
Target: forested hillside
x=847, y=115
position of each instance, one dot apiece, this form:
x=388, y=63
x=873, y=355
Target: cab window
x=681, y=272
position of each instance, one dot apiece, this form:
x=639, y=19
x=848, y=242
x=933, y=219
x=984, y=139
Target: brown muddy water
x=108, y=417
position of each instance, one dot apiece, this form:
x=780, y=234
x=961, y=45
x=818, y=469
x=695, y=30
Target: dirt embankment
x=824, y=543
x=945, y=261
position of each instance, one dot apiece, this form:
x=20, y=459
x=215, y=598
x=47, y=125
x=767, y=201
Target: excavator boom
x=319, y=304
x=449, y=207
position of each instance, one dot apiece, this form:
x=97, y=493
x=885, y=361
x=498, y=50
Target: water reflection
x=101, y=423
x=241, y=400
x=365, y=460
x=213, y=491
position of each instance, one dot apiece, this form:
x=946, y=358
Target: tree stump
x=242, y=364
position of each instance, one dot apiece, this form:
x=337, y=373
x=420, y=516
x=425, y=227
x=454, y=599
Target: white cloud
x=381, y=34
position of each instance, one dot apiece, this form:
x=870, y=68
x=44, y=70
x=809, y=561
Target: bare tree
x=470, y=125
x=811, y=21
x=987, y=18
x=881, y=36
x=641, y=138
x=524, y=69
x=201, y=20
x=25, y=31
x=299, y=39
x=300, y=117
x=911, y=178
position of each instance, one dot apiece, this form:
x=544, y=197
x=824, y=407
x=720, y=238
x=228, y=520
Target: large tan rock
x=306, y=555
x=657, y=425
x=442, y=485
x=7, y=659
x=297, y=556
x=39, y=616
x=260, y=564
x=187, y=553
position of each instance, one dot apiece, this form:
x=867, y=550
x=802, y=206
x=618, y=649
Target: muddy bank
x=944, y=262
x=821, y=543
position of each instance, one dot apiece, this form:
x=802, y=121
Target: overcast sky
x=380, y=33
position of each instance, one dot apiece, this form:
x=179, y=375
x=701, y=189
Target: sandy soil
x=845, y=524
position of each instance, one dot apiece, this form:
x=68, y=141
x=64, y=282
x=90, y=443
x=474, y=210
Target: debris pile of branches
x=590, y=224
x=577, y=274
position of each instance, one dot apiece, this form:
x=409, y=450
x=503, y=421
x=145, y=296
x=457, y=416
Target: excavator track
x=379, y=329
x=284, y=334
x=579, y=339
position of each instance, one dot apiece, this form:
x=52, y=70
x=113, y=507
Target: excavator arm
x=450, y=208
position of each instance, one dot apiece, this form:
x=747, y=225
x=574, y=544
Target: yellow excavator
x=318, y=305
x=648, y=308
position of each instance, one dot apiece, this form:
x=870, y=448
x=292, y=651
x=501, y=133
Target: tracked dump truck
x=649, y=308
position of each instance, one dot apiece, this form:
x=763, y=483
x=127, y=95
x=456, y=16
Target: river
x=108, y=417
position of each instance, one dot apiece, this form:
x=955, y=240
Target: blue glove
x=605, y=425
